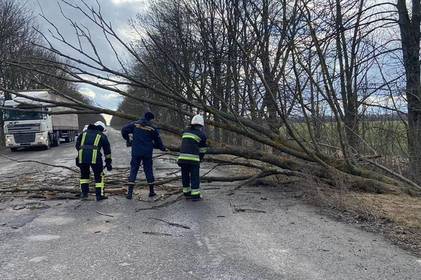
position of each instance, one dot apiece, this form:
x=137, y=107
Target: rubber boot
x=151, y=190
x=85, y=191
x=99, y=195
x=129, y=192
x=187, y=192
x=195, y=196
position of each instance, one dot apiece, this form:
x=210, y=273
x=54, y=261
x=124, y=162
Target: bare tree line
x=253, y=68
x=17, y=38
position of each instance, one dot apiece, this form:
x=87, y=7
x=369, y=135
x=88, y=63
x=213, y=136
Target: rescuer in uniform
x=89, y=145
x=143, y=137
x=192, y=151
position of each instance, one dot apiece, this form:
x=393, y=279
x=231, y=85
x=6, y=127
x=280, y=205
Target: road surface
x=269, y=236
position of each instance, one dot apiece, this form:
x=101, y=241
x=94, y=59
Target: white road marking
x=43, y=237
x=38, y=259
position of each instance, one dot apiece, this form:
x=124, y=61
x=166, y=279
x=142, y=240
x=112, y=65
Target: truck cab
x=26, y=128
x=29, y=123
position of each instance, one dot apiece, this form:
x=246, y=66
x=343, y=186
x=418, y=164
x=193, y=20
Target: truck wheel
x=55, y=139
x=71, y=137
x=48, y=146
x=13, y=149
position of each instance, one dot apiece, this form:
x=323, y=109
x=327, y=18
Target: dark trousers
x=147, y=168
x=98, y=169
x=190, y=176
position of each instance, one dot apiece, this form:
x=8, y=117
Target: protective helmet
x=101, y=125
x=149, y=116
x=198, y=120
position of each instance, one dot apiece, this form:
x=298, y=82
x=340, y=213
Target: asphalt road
x=269, y=236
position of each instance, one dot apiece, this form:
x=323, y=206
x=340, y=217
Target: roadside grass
x=399, y=209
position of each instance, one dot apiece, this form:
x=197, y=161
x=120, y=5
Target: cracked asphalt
x=257, y=233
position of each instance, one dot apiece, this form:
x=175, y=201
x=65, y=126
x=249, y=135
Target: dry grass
x=402, y=210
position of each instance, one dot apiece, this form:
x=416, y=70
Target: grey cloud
x=118, y=14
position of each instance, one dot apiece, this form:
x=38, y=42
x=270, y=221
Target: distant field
x=386, y=137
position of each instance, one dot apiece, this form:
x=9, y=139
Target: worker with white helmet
x=192, y=151
x=101, y=126
x=89, y=145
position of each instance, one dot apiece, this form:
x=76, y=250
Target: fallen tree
x=117, y=181
x=281, y=146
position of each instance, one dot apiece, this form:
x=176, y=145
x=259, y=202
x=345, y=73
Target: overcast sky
x=118, y=12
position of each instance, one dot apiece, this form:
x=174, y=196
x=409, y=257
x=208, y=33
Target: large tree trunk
x=414, y=123
x=2, y=136
x=410, y=36
x=1, y=131
x=351, y=126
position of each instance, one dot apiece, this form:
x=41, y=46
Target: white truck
x=26, y=128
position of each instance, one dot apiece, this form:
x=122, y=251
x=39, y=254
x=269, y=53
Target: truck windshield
x=11, y=115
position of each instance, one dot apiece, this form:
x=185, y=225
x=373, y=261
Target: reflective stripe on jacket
x=145, y=137
x=193, y=146
x=89, y=145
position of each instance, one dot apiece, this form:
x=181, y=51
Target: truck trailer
x=29, y=123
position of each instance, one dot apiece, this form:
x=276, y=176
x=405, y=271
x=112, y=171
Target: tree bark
x=1, y=131
x=410, y=37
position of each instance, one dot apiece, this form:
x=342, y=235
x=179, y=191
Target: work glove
x=129, y=141
x=108, y=164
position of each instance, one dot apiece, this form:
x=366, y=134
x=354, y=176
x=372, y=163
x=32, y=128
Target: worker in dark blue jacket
x=192, y=151
x=89, y=145
x=143, y=137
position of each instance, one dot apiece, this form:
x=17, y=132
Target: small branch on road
x=171, y=223
x=103, y=214
x=42, y=189
x=173, y=173
x=168, y=202
x=39, y=162
x=248, y=210
x=206, y=179
x=156, y=233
